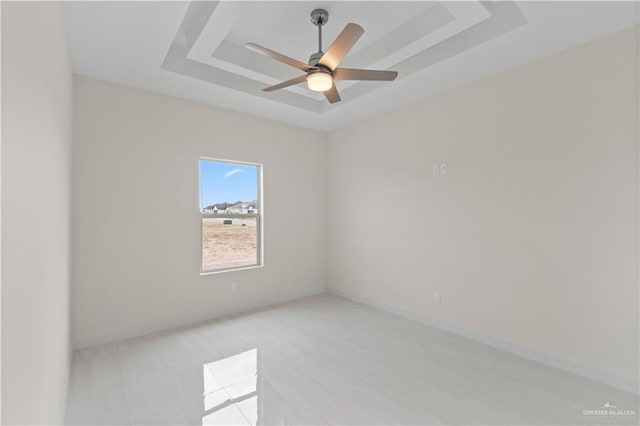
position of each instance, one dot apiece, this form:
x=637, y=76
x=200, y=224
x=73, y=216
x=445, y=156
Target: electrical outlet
x=234, y=286
x=436, y=297
x=435, y=169
x=443, y=168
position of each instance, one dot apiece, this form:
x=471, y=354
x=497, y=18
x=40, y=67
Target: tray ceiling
x=195, y=50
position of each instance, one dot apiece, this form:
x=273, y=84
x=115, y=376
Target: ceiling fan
x=322, y=69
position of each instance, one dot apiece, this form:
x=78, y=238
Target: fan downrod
x=319, y=17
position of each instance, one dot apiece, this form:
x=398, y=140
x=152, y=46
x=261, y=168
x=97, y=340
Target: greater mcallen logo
x=609, y=410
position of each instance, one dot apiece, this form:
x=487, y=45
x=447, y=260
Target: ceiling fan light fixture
x=319, y=81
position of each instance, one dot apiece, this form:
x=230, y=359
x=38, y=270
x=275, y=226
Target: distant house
x=220, y=208
x=242, y=207
x=217, y=208
x=235, y=208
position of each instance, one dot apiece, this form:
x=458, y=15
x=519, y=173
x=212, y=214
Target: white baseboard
x=103, y=339
x=624, y=383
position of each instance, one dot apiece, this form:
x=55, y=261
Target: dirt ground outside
x=226, y=246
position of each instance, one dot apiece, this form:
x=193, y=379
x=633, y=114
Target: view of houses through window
x=230, y=210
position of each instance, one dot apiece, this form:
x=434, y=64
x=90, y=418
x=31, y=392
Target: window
x=230, y=209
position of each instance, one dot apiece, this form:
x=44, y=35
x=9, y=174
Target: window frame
x=258, y=216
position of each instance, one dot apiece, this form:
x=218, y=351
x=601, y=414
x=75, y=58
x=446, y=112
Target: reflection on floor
x=325, y=360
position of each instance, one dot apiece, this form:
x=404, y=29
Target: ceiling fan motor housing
x=314, y=58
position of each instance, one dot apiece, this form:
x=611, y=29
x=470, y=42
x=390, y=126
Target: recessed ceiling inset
x=209, y=43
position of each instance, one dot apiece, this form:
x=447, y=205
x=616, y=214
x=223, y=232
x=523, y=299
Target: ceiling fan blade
x=279, y=57
x=287, y=83
x=332, y=95
x=341, y=46
x=355, y=74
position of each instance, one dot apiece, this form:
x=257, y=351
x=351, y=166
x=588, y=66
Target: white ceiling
x=195, y=50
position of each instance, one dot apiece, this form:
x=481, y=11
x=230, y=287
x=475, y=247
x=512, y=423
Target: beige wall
x=136, y=221
x=36, y=188
x=532, y=236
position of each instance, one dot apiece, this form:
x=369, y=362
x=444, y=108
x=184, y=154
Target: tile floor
x=324, y=360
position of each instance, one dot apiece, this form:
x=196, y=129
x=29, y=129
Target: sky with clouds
x=227, y=182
